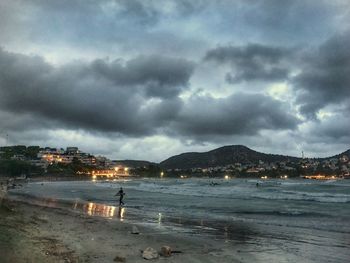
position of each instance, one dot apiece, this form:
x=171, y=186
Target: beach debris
x=150, y=253
x=119, y=259
x=165, y=251
x=135, y=230
x=40, y=219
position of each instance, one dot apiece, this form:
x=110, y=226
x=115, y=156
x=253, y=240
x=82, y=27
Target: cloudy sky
x=143, y=79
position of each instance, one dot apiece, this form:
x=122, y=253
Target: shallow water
x=290, y=220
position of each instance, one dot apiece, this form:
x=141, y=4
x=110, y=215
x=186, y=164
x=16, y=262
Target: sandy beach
x=30, y=233
x=79, y=221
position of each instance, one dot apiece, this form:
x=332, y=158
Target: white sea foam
x=273, y=190
x=305, y=196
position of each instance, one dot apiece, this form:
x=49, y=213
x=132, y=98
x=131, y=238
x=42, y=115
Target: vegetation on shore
x=233, y=161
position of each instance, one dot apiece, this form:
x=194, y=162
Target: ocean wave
x=304, y=196
x=188, y=189
x=230, y=190
x=280, y=213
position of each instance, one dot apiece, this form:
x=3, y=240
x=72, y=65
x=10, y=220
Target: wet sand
x=32, y=233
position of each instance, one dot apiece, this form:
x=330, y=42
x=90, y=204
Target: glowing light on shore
x=321, y=177
x=90, y=209
x=227, y=177
x=121, y=214
x=111, y=211
x=94, y=209
x=159, y=218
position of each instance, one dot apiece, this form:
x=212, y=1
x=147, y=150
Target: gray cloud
x=245, y=114
x=145, y=94
x=101, y=96
x=325, y=78
x=159, y=76
x=252, y=62
x=137, y=98
x=294, y=20
x=326, y=137
x=133, y=24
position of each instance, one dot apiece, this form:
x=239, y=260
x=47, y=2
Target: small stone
x=150, y=253
x=119, y=259
x=135, y=230
x=165, y=251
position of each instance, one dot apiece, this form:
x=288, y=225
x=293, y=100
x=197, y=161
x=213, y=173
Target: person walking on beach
x=121, y=196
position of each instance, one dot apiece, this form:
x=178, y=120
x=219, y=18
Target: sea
x=279, y=220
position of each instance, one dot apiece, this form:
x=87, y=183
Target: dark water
x=281, y=220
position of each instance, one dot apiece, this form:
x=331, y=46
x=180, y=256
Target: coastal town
x=34, y=160
x=40, y=161
x=307, y=168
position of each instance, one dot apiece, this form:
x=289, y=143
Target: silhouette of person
x=121, y=196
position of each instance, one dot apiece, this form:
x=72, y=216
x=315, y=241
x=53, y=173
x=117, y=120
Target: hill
x=222, y=156
x=346, y=153
x=133, y=163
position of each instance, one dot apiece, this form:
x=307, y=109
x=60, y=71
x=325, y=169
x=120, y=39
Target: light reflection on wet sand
x=96, y=209
x=110, y=212
x=90, y=208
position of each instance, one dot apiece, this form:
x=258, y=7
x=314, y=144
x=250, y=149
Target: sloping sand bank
x=30, y=233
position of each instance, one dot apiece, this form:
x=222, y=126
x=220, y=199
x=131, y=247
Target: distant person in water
x=121, y=196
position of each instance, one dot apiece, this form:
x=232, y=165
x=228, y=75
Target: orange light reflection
x=94, y=209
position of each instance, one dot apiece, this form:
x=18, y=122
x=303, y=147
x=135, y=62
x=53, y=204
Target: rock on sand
x=150, y=253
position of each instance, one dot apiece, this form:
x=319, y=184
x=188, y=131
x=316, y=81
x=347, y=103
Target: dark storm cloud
x=109, y=25
x=252, y=62
x=329, y=131
x=325, y=78
x=159, y=76
x=140, y=12
x=247, y=114
x=146, y=92
x=100, y=96
x=136, y=98
x=335, y=129
x=186, y=26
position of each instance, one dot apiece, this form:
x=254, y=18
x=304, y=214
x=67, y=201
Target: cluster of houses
x=101, y=165
x=48, y=156
x=339, y=166
x=239, y=167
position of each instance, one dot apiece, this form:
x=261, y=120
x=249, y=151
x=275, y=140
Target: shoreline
x=33, y=233
x=81, y=221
